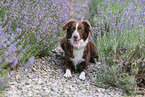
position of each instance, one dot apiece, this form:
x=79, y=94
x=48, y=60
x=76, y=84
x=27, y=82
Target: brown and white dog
x=78, y=48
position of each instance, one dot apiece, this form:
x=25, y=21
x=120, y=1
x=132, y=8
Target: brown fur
x=89, y=55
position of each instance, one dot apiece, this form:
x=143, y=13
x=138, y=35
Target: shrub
x=119, y=35
x=28, y=29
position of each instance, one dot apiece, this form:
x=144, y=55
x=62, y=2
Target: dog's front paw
x=82, y=75
x=68, y=73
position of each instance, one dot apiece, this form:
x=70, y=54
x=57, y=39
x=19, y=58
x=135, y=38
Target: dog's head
x=77, y=32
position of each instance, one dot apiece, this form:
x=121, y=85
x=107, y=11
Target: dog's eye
x=79, y=28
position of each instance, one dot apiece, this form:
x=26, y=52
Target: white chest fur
x=78, y=52
x=78, y=56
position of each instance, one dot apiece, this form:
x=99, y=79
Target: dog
x=78, y=48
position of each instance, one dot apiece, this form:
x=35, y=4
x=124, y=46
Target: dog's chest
x=78, y=56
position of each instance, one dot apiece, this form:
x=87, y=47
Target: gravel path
x=47, y=80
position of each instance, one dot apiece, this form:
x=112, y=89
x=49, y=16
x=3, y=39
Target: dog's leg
x=82, y=68
x=68, y=73
x=82, y=75
x=93, y=53
x=67, y=68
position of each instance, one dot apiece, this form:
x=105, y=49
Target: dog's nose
x=75, y=36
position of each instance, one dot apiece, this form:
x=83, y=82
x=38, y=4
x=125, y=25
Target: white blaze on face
x=75, y=33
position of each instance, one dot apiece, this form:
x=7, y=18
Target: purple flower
x=35, y=75
x=6, y=52
x=26, y=18
x=18, y=30
x=18, y=40
x=31, y=60
x=0, y=60
x=140, y=47
x=22, y=68
x=23, y=36
x=8, y=42
x=15, y=62
x=126, y=63
x=1, y=80
x=23, y=50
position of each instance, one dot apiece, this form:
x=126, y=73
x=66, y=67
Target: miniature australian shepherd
x=78, y=48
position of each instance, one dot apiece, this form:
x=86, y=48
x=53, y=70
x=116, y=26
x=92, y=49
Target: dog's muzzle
x=76, y=40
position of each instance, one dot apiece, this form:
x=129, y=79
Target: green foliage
x=28, y=28
x=119, y=35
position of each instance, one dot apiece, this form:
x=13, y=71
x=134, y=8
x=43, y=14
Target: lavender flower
x=31, y=60
x=27, y=27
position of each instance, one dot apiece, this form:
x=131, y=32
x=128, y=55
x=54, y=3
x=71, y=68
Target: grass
x=119, y=35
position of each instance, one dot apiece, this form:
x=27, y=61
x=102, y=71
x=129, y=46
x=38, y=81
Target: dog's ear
x=68, y=24
x=87, y=25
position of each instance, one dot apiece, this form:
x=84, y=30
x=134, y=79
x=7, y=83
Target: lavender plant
x=28, y=28
x=119, y=35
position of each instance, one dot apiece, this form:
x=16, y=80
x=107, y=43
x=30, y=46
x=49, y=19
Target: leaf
x=90, y=87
